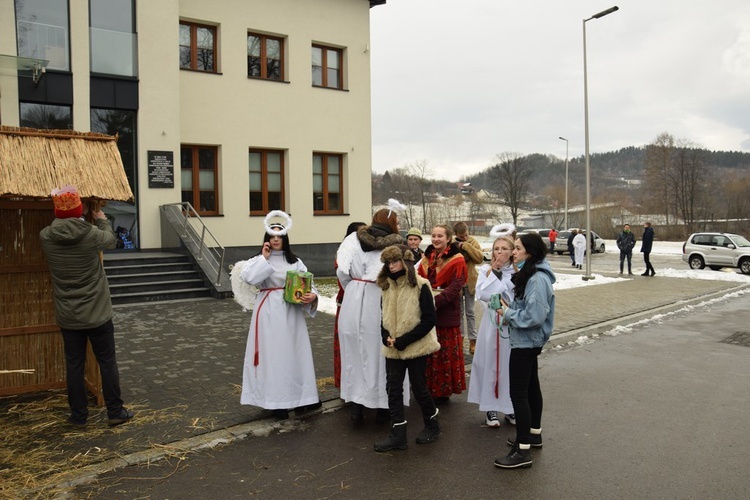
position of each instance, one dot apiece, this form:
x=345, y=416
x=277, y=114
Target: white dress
x=363, y=375
x=579, y=247
x=490, y=369
x=284, y=376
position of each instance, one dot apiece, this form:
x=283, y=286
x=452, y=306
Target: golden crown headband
x=273, y=228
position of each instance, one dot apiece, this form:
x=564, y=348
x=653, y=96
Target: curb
x=566, y=338
x=262, y=427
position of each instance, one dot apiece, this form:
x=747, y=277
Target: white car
x=561, y=246
x=717, y=250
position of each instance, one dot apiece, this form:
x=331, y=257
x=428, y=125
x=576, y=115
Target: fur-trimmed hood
x=377, y=237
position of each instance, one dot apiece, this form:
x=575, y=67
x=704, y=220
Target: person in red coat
x=445, y=268
x=552, y=239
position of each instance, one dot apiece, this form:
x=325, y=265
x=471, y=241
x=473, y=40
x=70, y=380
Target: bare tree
x=658, y=162
x=422, y=174
x=511, y=177
x=687, y=182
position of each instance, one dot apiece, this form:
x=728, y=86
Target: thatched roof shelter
x=33, y=162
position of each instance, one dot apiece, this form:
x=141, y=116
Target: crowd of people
x=401, y=310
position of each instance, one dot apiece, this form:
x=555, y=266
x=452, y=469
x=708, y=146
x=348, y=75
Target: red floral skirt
x=446, y=373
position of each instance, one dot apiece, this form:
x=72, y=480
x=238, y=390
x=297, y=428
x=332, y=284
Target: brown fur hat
x=392, y=253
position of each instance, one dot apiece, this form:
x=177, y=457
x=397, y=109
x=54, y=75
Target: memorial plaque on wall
x=160, y=169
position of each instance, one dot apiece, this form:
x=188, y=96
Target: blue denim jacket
x=531, y=319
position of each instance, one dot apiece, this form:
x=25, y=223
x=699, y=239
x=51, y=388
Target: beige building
x=238, y=107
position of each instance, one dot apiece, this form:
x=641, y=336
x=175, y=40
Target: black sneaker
x=123, y=417
x=77, y=423
x=516, y=459
x=535, y=441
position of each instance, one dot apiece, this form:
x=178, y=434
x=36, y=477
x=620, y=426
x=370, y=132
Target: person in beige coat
x=408, y=332
x=472, y=253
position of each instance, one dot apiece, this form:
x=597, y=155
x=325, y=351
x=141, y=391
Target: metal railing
x=188, y=225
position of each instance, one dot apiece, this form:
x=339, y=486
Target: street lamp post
x=566, y=181
x=603, y=13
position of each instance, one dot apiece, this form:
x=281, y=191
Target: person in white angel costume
x=278, y=373
x=489, y=385
x=363, y=376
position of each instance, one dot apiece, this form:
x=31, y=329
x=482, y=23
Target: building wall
x=8, y=80
x=236, y=113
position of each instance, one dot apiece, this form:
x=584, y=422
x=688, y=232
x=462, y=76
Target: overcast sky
x=455, y=82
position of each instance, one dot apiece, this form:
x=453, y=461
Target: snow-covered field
x=567, y=281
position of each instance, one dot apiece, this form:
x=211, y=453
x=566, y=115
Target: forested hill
x=626, y=163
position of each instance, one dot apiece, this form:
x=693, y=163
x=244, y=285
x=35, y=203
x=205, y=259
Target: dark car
x=561, y=245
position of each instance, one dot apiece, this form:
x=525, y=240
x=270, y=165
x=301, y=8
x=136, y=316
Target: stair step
x=144, y=268
x=156, y=286
x=140, y=260
x=132, y=298
x=119, y=279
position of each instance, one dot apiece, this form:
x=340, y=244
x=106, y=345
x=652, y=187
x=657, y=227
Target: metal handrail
x=213, y=255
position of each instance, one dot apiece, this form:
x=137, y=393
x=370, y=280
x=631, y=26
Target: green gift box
x=297, y=284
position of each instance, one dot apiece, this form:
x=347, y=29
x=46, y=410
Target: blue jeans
x=629, y=255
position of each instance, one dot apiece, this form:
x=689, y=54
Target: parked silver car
x=717, y=250
x=561, y=246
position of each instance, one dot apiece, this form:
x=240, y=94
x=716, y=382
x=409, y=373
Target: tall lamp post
x=566, y=181
x=603, y=13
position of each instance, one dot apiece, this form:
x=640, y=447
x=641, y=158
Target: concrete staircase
x=153, y=276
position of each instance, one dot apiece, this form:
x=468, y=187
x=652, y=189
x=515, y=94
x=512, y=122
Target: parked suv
x=561, y=245
x=717, y=250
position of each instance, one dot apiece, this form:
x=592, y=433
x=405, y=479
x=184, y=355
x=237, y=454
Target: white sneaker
x=511, y=418
x=492, y=420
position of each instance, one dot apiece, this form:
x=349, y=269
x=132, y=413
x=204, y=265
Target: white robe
x=363, y=375
x=285, y=376
x=484, y=368
x=579, y=247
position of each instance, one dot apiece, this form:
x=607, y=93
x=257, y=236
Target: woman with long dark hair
x=278, y=372
x=530, y=318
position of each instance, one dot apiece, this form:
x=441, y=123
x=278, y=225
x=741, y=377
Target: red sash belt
x=257, y=318
x=363, y=281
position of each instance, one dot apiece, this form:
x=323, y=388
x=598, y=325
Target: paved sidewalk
x=184, y=359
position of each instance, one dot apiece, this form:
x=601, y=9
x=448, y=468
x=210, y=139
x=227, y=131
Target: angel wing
x=244, y=293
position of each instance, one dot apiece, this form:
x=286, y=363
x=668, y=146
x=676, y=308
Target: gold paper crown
x=66, y=198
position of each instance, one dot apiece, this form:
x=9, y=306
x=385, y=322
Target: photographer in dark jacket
x=83, y=308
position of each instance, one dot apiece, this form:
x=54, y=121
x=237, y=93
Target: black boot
x=395, y=441
x=517, y=458
x=431, y=429
x=356, y=412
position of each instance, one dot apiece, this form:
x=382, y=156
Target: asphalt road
x=656, y=412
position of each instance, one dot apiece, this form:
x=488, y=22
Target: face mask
x=519, y=265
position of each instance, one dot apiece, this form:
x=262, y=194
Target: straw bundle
x=32, y=162
x=39, y=450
